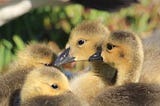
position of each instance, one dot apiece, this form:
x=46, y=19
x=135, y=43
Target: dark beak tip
x=95, y=59
x=96, y=56
x=64, y=58
x=91, y=59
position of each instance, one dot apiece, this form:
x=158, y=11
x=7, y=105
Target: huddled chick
x=47, y=86
x=123, y=51
x=118, y=50
x=33, y=55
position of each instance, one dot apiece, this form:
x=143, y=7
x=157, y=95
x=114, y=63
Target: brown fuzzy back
x=133, y=94
x=67, y=99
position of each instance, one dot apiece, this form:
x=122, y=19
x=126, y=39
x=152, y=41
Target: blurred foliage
x=55, y=24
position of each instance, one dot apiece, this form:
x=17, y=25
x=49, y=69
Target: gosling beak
x=96, y=56
x=63, y=58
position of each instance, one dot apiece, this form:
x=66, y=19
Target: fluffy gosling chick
x=44, y=81
x=34, y=55
x=83, y=42
x=123, y=51
x=150, y=68
x=47, y=86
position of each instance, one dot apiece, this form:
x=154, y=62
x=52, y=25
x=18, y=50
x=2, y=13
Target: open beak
x=63, y=58
x=96, y=56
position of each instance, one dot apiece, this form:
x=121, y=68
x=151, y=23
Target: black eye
x=110, y=46
x=47, y=64
x=54, y=86
x=81, y=42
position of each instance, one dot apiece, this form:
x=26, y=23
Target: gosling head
x=36, y=54
x=83, y=42
x=123, y=51
x=44, y=81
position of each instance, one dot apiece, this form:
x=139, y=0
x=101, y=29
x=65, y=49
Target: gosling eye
x=54, y=86
x=81, y=42
x=110, y=46
x=47, y=64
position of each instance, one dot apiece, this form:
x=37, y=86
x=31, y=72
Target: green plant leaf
x=19, y=42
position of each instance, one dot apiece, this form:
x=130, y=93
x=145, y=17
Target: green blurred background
x=55, y=24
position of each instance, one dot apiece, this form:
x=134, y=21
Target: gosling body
x=47, y=86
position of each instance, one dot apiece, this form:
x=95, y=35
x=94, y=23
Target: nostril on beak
x=96, y=57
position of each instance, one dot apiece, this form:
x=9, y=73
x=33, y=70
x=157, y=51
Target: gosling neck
x=131, y=72
x=105, y=71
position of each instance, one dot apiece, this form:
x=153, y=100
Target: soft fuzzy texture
x=133, y=94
